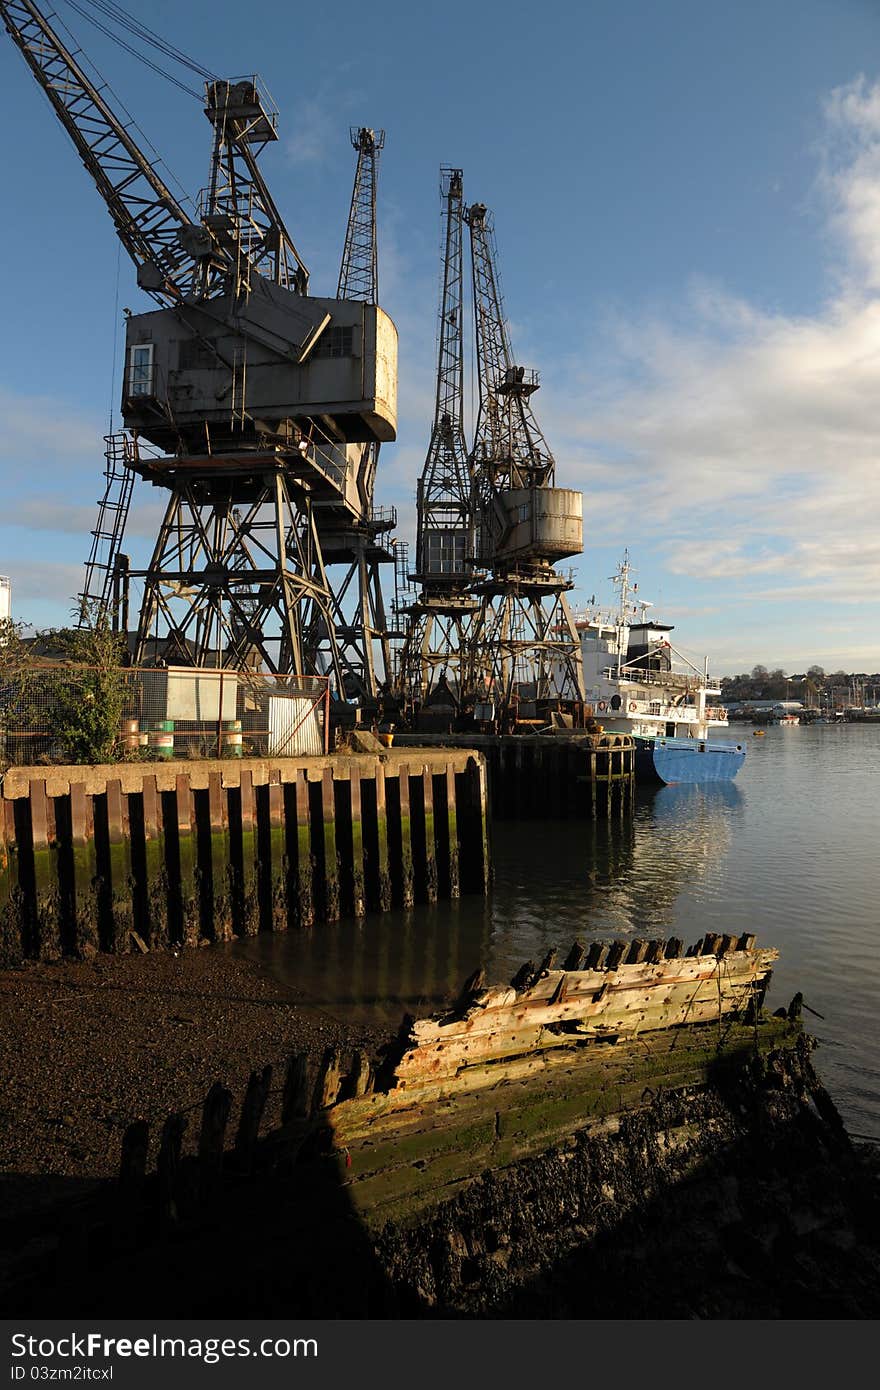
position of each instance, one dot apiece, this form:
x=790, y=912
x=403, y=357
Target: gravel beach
x=88, y=1046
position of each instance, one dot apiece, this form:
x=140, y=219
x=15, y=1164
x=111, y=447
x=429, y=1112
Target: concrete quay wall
x=149, y=856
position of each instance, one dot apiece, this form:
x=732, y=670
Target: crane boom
x=508, y=442
x=145, y=213
x=359, y=271
x=444, y=493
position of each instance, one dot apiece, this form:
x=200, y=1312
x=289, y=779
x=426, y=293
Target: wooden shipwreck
x=618, y=1125
x=509, y=1070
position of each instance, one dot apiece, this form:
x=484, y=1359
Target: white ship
x=636, y=681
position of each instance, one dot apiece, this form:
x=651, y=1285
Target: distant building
x=5, y=598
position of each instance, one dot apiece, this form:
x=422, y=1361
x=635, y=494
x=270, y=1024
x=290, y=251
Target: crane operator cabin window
x=445, y=552
x=140, y=369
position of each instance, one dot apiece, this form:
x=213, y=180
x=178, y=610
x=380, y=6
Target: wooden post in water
x=250, y=895
x=477, y=775
x=452, y=833
x=406, y=864
x=187, y=845
x=221, y=894
x=119, y=894
x=358, y=895
x=430, y=852
x=45, y=910
x=155, y=888
x=304, y=876
x=85, y=871
x=11, y=938
x=331, y=854
x=383, y=874
x=276, y=853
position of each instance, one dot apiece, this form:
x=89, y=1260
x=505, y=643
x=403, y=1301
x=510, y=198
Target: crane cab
x=266, y=368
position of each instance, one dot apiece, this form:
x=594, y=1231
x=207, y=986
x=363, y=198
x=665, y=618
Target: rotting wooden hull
x=401, y=1153
x=613, y=999
x=510, y=1070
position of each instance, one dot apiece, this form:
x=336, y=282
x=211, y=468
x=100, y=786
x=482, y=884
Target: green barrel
x=161, y=738
x=231, y=739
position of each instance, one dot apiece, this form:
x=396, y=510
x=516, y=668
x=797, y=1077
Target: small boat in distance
x=789, y=719
x=637, y=683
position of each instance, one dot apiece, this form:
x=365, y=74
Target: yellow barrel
x=131, y=736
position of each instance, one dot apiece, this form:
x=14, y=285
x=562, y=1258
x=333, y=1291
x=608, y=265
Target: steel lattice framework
x=238, y=210
x=359, y=542
x=439, y=637
x=145, y=213
x=359, y=272
x=509, y=449
x=245, y=559
x=525, y=646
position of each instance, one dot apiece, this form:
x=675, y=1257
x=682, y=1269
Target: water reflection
x=409, y=961
x=554, y=881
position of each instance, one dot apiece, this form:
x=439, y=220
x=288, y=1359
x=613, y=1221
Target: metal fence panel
x=295, y=726
x=174, y=712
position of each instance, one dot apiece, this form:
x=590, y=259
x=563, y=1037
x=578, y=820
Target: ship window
x=140, y=369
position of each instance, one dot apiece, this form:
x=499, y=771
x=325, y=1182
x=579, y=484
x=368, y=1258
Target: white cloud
x=37, y=426
x=743, y=444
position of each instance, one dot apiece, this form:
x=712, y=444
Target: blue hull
x=672, y=760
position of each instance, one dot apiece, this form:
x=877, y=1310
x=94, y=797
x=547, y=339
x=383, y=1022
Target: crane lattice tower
x=439, y=637
x=354, y=534
x=526, y=646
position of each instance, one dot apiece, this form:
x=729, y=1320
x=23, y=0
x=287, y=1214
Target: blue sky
x=687, y=204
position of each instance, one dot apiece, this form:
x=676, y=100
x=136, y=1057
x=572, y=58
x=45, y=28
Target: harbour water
x=789, y=851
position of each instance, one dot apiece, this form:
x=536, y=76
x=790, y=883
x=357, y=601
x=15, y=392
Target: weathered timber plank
x=450, y=1054
x=587, y=982
x=608, y=1010
x=584, y=1061
x=503, y=1130
x=490, y=1009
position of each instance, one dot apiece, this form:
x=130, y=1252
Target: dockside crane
x=256, y=398
x=355, y=542
x=439, y=636
x=526, y=647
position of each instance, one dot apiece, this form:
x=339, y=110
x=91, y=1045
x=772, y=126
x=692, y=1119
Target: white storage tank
x=544, y=523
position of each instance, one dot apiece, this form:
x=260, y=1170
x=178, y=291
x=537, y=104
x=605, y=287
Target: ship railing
x=640, y=675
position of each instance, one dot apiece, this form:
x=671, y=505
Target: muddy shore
x=88, y=1046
